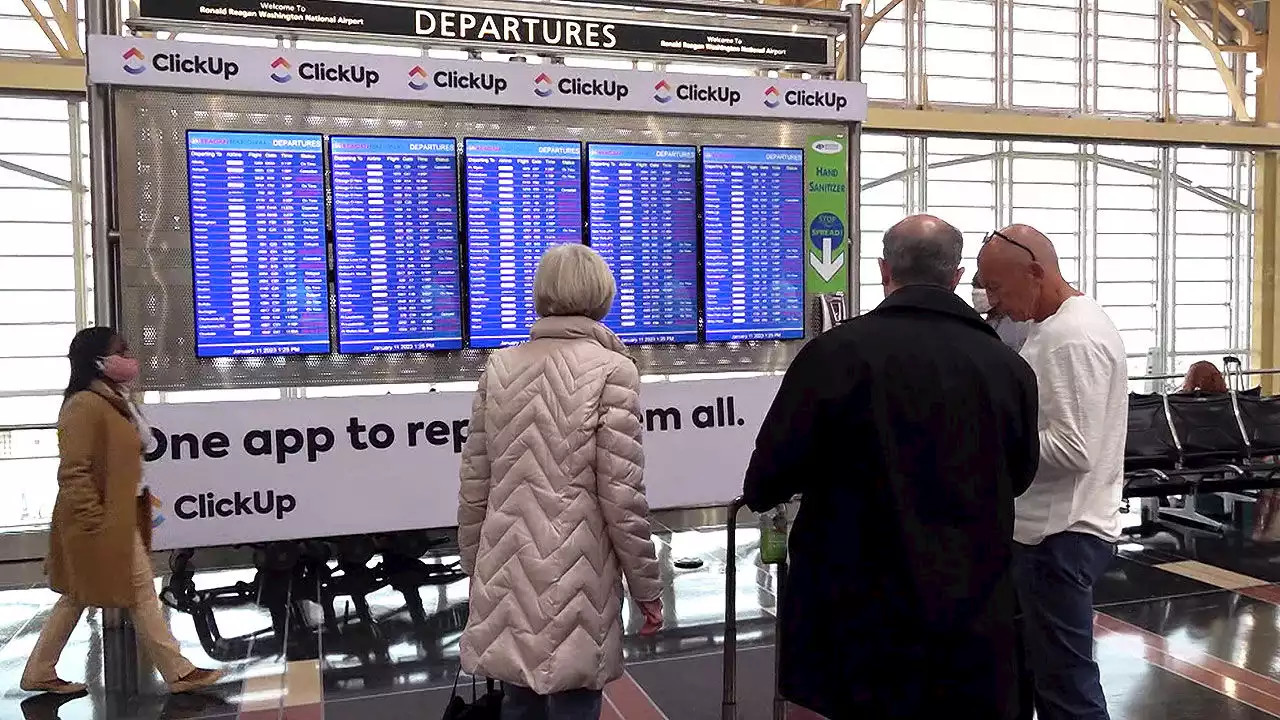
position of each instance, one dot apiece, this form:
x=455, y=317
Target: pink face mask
x=120, y=369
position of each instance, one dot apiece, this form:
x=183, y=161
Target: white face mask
x=980, y=301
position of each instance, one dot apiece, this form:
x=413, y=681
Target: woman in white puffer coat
x=552, y=510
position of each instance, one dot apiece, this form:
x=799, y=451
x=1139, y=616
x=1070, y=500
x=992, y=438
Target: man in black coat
x=908, y=432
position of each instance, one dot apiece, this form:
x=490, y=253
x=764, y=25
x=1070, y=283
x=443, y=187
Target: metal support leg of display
x=121, y=671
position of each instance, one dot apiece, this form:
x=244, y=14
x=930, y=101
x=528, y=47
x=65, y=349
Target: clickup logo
x=135, y=63
x=456, y=80
x=826, y=100
x=662, y=91
x=771, y=99
x=208, y=506
x=280, y=70
x=418, y=78
x=542, y=85
x=592, y=88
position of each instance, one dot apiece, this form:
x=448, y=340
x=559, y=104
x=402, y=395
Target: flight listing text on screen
x=522, y=197
x=395, y=228
x=753, y=237
x=642, y=218
x=259, y=260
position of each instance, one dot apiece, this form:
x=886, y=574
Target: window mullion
x=78, y=255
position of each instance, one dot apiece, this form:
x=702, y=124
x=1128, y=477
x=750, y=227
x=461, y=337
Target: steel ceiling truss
x=64, y=30
x=1226, y=28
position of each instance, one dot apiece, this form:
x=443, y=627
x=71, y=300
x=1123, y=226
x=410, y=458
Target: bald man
x=908, y=431
x=1069, y=520
x=1011, y=332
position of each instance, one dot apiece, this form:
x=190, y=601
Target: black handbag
x=484, y=707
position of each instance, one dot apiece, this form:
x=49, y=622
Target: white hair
x=573, y=279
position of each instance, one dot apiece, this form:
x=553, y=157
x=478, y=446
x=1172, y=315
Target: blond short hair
x=573, y=279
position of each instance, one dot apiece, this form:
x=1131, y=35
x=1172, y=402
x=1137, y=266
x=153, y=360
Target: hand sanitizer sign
x=826, y=206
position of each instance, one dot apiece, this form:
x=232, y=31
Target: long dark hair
x=87, y=348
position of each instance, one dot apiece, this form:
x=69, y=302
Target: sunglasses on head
x=997, y=234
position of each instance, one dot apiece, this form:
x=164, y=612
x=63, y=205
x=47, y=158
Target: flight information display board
x=753, y=240
x=523, y=196
x=642, y=218
x=395, y=229
x=258, y=255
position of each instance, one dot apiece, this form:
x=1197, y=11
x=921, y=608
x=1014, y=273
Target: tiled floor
x=1186, y=628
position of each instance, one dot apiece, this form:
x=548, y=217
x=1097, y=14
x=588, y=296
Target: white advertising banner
x=147, y=62
x=238, y=472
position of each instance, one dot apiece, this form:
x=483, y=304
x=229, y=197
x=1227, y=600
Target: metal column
x=102, y=17
x=853, y=253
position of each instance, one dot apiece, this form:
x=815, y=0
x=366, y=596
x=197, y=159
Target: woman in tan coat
x=101, y=529
x=553, y=513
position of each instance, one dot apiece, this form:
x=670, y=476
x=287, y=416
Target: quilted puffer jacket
x=552, y=511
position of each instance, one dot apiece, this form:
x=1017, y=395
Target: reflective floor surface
x=1187, y=627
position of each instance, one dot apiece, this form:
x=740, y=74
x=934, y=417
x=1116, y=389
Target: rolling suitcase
x=729, y=704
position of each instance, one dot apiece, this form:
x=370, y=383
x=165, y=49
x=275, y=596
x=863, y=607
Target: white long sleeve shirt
x=1079, y=361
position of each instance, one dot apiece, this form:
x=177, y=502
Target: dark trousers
x=1055, y=592
x=521, y=703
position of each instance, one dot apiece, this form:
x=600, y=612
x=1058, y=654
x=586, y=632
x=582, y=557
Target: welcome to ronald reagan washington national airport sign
x=523, y=29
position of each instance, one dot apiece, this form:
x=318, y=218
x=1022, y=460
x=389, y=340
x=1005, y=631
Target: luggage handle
x=1235, y=385
x=729, y=702
x=1233, y=368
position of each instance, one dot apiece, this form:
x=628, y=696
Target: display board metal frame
x=141, y=243
x=154, y=230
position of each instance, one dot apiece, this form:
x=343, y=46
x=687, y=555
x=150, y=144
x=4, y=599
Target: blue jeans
x=521, y=703
x=1055, y=590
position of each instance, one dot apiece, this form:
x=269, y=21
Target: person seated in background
x=552, y=510
x=1204, y=376
x=909, y=431
x=1011, y=332
x=101, y=527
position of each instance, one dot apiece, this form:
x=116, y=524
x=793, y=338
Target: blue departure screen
x=753, y=236
x=523, y=196
x=643, y=212
x=395, y=228
x=258, y=243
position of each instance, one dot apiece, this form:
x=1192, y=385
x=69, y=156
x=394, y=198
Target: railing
x=1227, y=362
